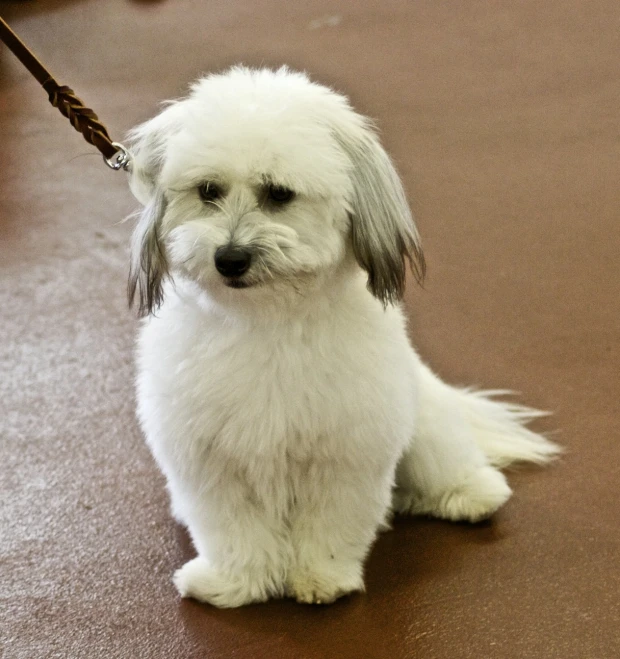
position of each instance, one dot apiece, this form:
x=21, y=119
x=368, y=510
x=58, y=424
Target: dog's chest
x=285, y=394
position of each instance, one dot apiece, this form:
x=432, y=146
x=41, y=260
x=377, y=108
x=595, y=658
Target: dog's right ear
x=149, y=267
x=148, y=143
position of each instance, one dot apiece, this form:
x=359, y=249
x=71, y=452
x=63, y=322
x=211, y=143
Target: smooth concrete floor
x=504, y=119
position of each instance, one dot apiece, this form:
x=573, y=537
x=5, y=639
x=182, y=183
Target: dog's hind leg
x=450, y=469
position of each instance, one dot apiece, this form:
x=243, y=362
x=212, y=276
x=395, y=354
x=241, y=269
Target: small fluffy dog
x=277, y=387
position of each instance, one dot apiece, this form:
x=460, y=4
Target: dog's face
x=262, y=181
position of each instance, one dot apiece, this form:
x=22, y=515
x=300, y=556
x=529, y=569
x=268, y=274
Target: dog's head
x=260, y=180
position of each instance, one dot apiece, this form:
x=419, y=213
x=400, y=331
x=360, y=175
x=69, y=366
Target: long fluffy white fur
x=500, y=429
x=286, y=407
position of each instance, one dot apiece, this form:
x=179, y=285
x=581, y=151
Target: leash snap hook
x=120, y=160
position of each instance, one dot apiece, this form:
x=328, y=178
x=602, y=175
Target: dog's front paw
x=326, y=583
x=199, y=580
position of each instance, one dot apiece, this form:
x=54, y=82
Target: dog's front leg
x=335, y=523
x=243, y=548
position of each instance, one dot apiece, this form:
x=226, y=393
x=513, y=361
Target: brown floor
x=504, y=120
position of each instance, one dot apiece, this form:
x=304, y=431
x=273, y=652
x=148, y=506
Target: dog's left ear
x=384, y=234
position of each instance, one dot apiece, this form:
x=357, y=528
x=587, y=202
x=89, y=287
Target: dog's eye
x=279, y=194
x=209, y=191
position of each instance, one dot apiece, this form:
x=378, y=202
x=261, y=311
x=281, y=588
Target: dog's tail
x=498, y=427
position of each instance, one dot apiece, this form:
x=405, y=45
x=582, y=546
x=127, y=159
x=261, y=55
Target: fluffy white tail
x=499, y=429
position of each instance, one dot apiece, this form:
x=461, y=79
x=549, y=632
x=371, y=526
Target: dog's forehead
x=274, y=125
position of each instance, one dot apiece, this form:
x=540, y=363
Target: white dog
x=277, y=387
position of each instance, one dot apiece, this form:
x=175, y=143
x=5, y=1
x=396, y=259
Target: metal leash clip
x=120, y=160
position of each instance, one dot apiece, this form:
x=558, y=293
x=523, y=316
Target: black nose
x=232, y=261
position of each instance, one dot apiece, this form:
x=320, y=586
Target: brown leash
x=83, y=119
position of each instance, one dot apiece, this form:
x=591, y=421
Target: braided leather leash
x=83, y=119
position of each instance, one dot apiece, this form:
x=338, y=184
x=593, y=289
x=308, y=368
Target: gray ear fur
x=148, y=267
x=383, y=232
